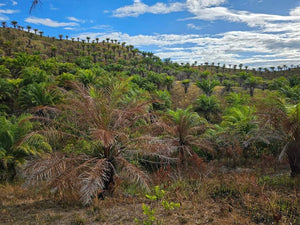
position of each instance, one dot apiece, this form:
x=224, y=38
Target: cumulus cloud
x=261, y=49
x=193, y=26
x=138, y=8
x=4, y=12
x=50, y=23
x=14, y=2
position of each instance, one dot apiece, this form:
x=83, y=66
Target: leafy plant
x=100, y=117
x=18, y=141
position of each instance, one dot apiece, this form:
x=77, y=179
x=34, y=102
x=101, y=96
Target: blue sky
x=257, y=33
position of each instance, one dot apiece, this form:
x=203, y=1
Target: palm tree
x=60, y=37
x=17, y=141
x=207, y=106
x=28, y=28
x=88, y=39
x=186, y=84
x=186, y=127
x=3, y=24
x=97, y=40
x=35, y=31
x=14, y=23
x=252, y=82
x=207, y=86
x=41, y=33
x=106, y=119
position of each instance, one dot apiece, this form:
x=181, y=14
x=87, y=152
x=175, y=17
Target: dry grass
x=218, y=197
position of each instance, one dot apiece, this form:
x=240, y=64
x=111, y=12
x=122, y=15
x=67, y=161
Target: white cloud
x=71, y=18
x=259, y=49
x=48, y=22
x=197, y=4
x=139, y=8
x=8, y=11
x=3, y=17
x=193, y=26
x=14, y=2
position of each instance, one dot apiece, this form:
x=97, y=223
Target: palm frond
x=133, y=173
x=94, y=180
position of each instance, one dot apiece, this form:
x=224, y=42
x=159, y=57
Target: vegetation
x=92, y=124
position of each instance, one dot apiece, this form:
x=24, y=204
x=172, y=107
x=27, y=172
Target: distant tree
x=67, y=37
x=252, y=82
x=35, y=31
x=41, y=33
x=186, y=84
x=60, y=37
x=97, y=40
x=28, y=28
x=14, y=23
x=88, y=39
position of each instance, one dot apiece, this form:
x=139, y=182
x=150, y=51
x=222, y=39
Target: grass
x=214, y=198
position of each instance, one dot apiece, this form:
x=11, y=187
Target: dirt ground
x=227, y=196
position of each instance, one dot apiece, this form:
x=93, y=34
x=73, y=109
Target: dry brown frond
x=94, y=180
x=107, y=137
x=133, y=173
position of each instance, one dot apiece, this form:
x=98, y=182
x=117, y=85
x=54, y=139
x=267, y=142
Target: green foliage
x=292, y=93
x=207, y=85
x=228, y=84
x=64, y=78
x=84, y=62
x=37, y=94
x=34, y=75
x=207, y=106
x=240, y=118
x=236, y=99
x=278, y=83
x=164, y=100
x=17, y=142
x=150, y=212
x=87, y=77
x=4, y=72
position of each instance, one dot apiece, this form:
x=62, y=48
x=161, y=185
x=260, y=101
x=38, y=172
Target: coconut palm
x=103, y=124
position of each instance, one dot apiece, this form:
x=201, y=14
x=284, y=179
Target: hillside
x=101, y=133
x=68, y=48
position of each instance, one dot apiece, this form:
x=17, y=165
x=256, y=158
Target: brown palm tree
x=105, y=119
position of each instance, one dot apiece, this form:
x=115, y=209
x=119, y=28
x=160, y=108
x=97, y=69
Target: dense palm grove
x=80, y=115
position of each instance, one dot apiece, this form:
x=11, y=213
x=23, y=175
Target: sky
x=255, y=33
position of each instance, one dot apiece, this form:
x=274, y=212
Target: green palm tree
x=252, y=82
x=207, y=85
x=186, y=127
x=18, y=141
x=207, y=106
x=186, y=84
